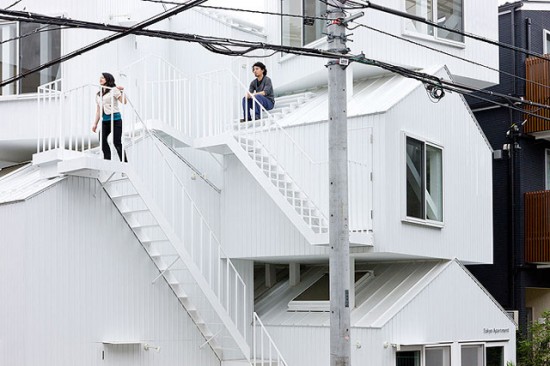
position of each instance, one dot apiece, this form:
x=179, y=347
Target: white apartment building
x=210, y=246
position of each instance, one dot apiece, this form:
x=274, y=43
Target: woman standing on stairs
x=260, y=93
x=107, y=107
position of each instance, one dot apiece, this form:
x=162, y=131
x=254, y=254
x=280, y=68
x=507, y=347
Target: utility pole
x=340, y=348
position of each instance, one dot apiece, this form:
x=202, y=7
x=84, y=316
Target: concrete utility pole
x=340, y=349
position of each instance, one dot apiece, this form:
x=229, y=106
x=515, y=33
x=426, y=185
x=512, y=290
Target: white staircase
x=283, y=183
x=202, y=281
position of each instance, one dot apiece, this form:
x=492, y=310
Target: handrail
x=275, y=123
x=182, y=186
x=257, y=323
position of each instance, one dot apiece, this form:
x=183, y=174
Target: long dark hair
x=109, y=82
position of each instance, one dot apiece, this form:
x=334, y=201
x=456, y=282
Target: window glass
x=471, y=355
x=313, y=28
x=434, y=184
x=546, y=41
x=297, y=31
x=37, y=44
x=495, y=356
x=547, y=185
x=8, y=56
x=448, y=13
x=423, y=9
x=407, y=358
x=415, y=178
x=424, y=168
x=291, y=26
x=41, y=46
x=438, y=356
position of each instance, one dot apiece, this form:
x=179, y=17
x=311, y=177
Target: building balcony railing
x=537, y=227
x=537, y=74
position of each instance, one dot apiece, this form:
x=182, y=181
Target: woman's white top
x=109, y=101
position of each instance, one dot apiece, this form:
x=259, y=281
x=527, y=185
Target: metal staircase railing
x=161, y=212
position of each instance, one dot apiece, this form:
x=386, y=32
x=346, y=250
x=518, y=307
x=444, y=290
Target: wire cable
x=36, y=31
x=451, y=55
x=223, y=45
x=12, y=5
x=155, y=19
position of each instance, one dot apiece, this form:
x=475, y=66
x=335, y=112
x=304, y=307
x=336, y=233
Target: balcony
x=537, y=73
x=537, y=227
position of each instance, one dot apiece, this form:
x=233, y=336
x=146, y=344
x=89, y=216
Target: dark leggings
x=117, y=136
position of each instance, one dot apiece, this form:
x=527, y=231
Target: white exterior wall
x=73, y=275
x=252, y=224
x=480, y=17
x=438, y=314
x=467, y=176
x=152, y=160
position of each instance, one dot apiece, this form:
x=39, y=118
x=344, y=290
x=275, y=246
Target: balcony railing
x=537, y=227
x=537, y=72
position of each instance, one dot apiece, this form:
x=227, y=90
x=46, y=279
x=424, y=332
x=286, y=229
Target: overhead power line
x=155, y=19
x=224, y=46
x=451, y=55
x=371, y=5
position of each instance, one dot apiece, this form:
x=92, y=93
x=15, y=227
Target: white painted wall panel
x=156, y=166
x=465, y=321
x=480, y=18
x=467, y=169
x=252, y=225
x=73, y=275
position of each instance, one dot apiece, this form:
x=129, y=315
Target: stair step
x=144, y=226
x=134, y=210
x=120, y=196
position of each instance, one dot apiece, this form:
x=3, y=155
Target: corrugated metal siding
x=72, y=275
x=463, y=320
x=148, y=161
x=479, y=18
x=24, y=183
x=437, y=313
x=467, y=174
x=252, y=224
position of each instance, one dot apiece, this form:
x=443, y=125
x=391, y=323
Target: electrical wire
x=12, y=5
x=36, y=31
x=451, y=55
x=223, y=46
x=369, y=5
x=155, y=19
x=241, y=10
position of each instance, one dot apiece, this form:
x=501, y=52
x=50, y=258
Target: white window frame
x=17, y=93
x=434, y=37
x=545, y=41
x=546, y=169
x=403, y=184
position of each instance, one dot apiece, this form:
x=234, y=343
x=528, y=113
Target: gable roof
x=24, y=183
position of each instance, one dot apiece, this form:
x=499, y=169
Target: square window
x=26, y=46
x=424, y=180
x=447, y=13
x=546, y=41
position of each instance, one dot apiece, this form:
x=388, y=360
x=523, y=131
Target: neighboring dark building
x=520, y=276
